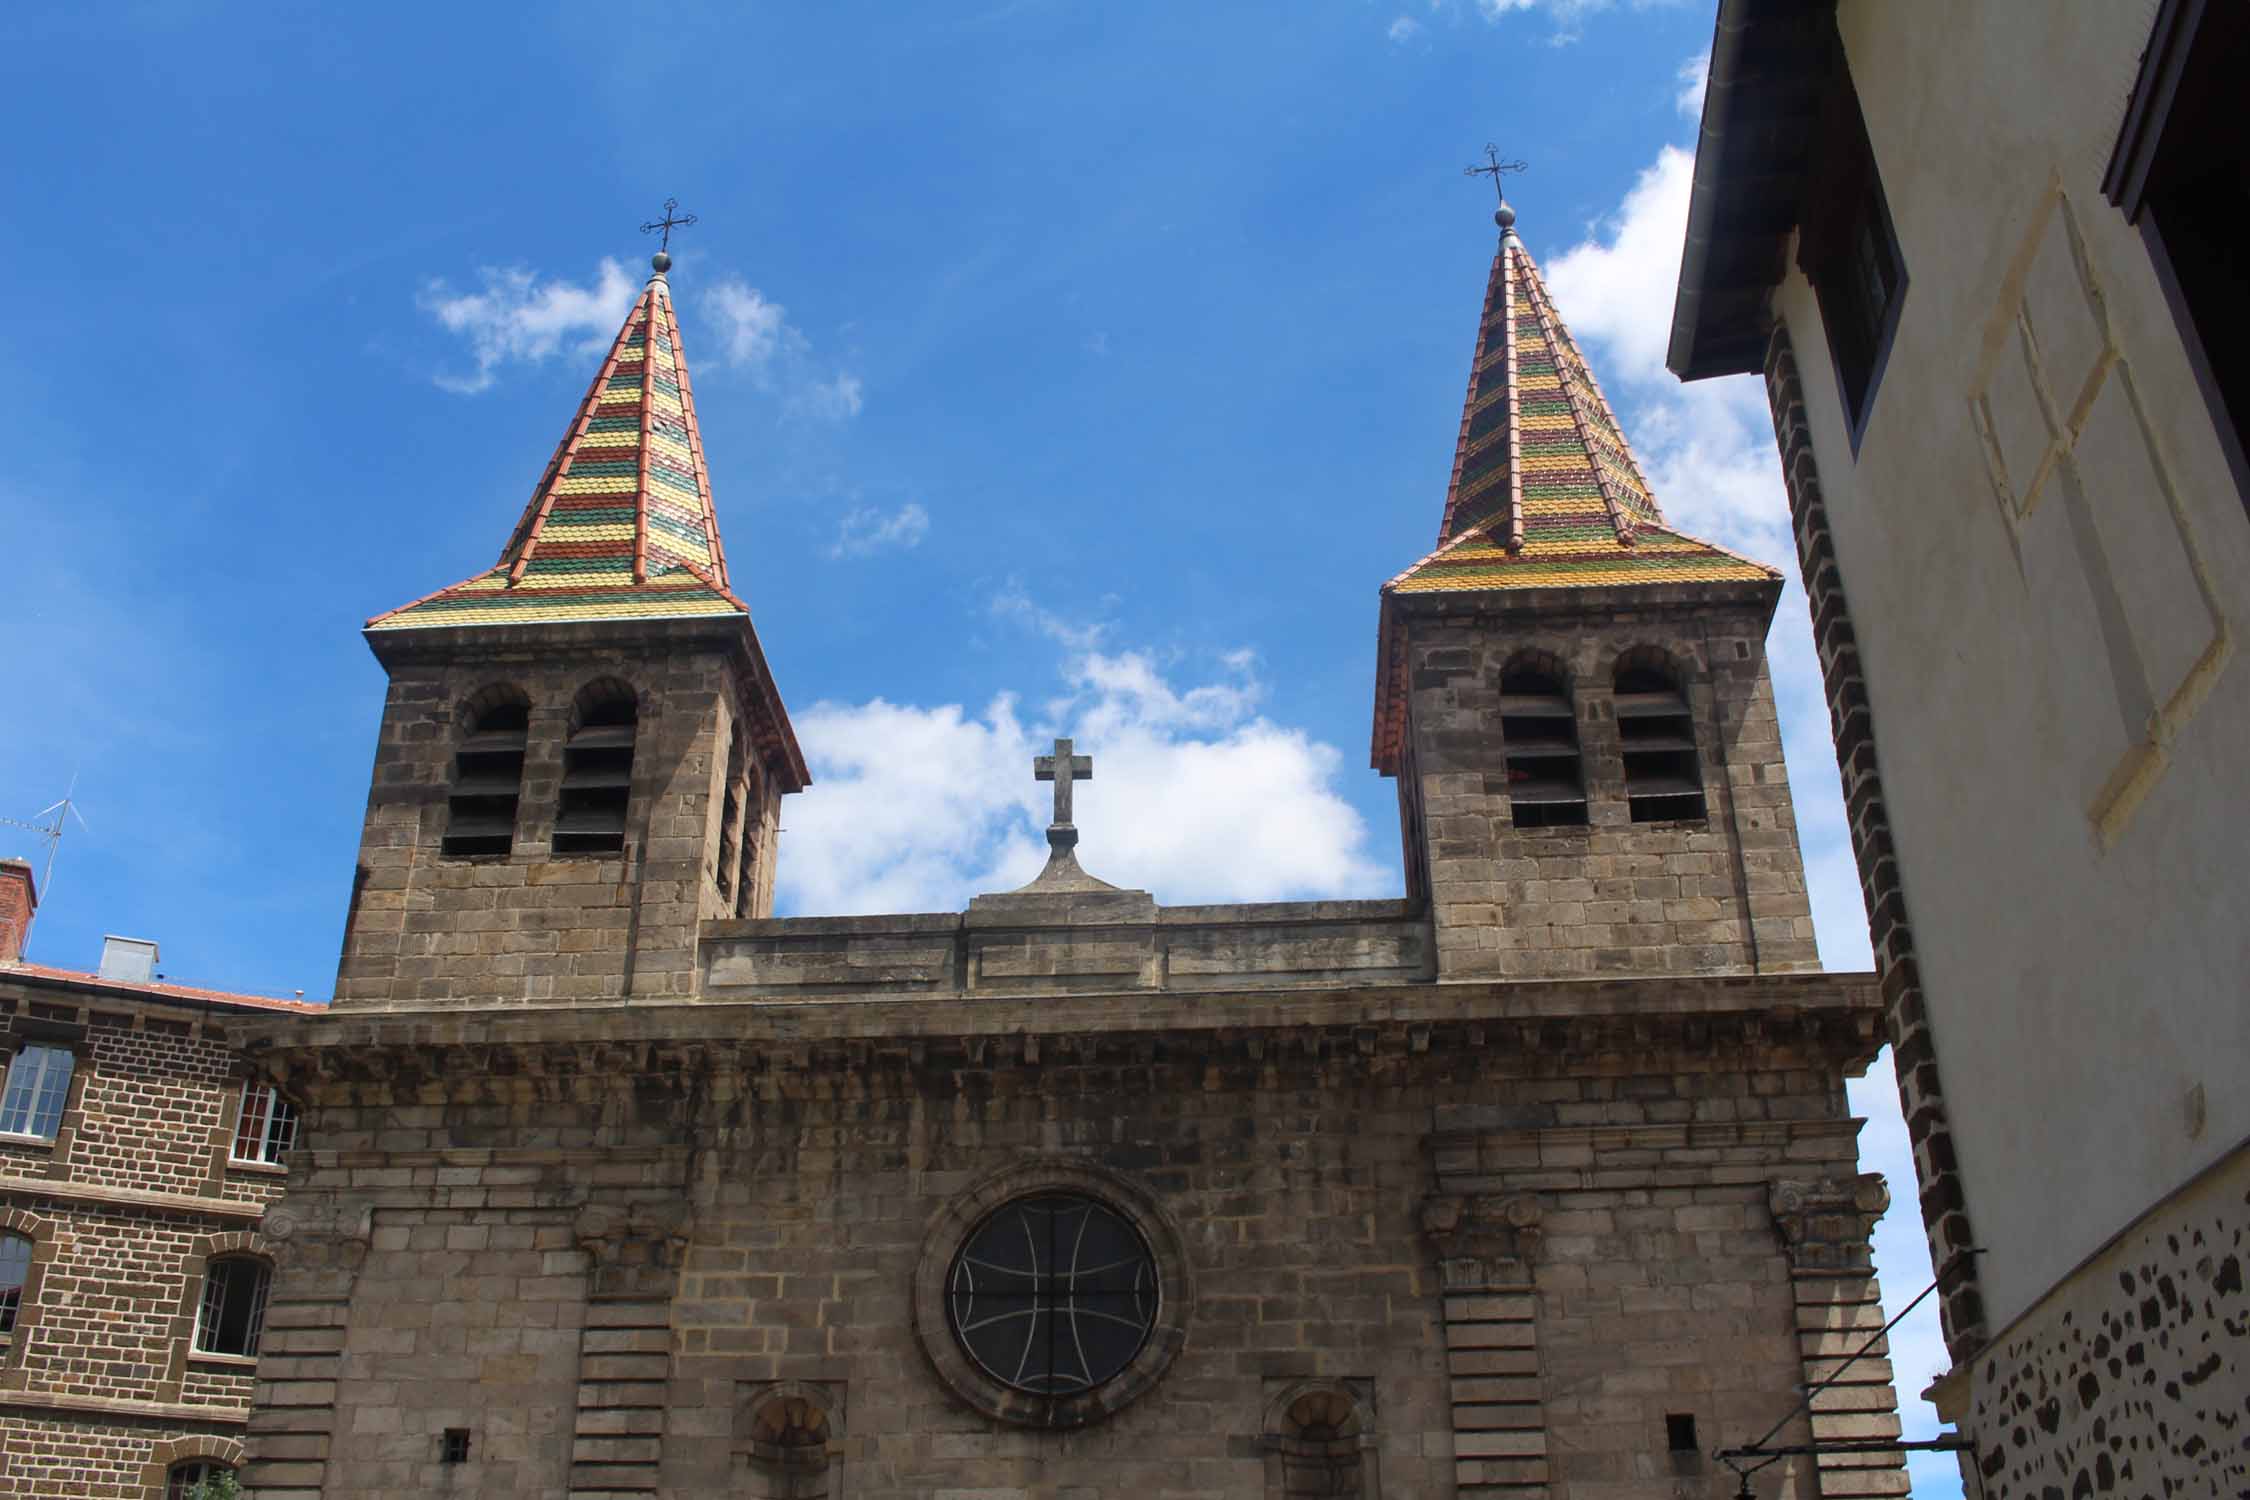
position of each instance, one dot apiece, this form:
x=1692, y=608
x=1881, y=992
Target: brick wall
x=1723, y=892
x=124, y=1209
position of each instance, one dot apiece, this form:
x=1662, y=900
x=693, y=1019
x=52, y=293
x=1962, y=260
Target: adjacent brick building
x=1537, y=1182
x=137, y=1164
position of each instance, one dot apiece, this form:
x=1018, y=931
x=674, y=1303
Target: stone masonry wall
x=533, y=925
x=1719, y=894
x=796, y=1187
x=99, y=1387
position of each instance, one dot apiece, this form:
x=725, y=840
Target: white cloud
x=518, y=317
x=865, y=529
x=833, y=400
x=1569, y=16
x=756, y=336
x=752, y=330
x=1615, y=286
x=1694, y=78
x=1403, y=30
x=1012, y=603
x=1197, y=796
x=1708, y=450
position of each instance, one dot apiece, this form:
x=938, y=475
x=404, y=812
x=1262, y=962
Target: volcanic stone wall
x=1502, y=1257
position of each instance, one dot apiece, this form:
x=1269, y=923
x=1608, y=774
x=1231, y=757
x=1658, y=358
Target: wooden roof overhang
x=1771, y=61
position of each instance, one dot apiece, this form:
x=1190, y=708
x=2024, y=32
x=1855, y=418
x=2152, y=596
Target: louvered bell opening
x=1539, y=733
x=1663, y=779
x=730, y=813
x=597, y=782
x=480, y=810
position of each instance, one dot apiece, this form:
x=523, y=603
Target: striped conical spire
x=1545, y=491
x=620, y=525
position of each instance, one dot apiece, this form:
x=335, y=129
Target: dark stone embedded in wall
x=2140, y=1385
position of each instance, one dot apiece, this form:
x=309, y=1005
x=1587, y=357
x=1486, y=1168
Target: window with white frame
x=38, y=1087
x=15, y=1265
x=268, y=1126
x=234, y=1306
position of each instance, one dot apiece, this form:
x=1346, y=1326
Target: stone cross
x=1062, y=768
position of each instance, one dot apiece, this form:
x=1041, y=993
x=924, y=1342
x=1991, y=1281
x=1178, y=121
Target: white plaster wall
x=2085, y=973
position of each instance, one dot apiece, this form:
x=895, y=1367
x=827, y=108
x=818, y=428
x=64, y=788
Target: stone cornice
x=1834, y=1017
x=196, y=1413
x=92, y=1195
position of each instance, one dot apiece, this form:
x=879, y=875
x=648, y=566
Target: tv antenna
x=49, y=823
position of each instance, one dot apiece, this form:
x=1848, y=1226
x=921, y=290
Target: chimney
x=19, y=898
x=130, y=959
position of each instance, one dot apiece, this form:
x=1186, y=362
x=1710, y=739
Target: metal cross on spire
x=1062, y=768
x=1493, y=168
x=673, y=219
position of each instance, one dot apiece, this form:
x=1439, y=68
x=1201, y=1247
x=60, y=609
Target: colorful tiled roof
x=620, y=525
x=1545, y=492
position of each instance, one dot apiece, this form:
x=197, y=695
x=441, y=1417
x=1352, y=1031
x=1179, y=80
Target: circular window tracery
x=1053, y=1294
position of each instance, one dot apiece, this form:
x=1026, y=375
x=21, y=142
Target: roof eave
x=1719, y=327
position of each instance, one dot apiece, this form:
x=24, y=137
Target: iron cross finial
x=1494, y=167
x=673, y=219
x=1062, y=768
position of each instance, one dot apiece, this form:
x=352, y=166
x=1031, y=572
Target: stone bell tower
x=1574, y=697
x=582, y=751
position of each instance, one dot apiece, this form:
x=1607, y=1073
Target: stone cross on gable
x=1062, y=768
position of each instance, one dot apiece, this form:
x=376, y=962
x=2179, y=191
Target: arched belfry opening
x=1656, y=733
x=1539, y=728
x=597, y=779
x=488, y=773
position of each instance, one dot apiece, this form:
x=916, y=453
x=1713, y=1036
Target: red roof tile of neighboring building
x=156, y=989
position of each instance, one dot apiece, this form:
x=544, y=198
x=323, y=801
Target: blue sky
x=1062, y=368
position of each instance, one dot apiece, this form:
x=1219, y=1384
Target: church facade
x=1539, y=1181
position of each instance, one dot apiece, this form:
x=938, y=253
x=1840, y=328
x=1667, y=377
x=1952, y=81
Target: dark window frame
x=1848, y=238
x=232, y=1308
x=11, y=1292
x=2160, y=178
